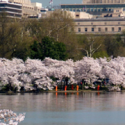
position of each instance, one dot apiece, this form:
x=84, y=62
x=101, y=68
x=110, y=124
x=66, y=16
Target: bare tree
x=90, y=45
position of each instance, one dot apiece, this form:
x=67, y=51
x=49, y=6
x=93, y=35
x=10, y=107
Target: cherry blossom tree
x=60, y=69
x=87, y=69
x=8, y=117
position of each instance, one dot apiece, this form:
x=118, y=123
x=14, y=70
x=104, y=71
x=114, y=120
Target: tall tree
x=114, y=45
x=48, y=47
x=58, y=25
x=91, y=46
x=13, y=37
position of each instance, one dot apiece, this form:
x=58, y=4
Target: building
x=103, y=1
x=95, y=9
x=100, y=25
x=12, y=9
x=75, y=15
x=28, y=9
x=20, y=8
x=108, y=16
x=20, y=1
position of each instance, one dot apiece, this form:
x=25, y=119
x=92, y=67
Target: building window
x=99, y=29
x=95, y=10
x=119, y=29
x=85, y=29
x=110, y=15
x=119, y=23
x=112, y=29
x=79, y=29
x=91, y=23
x=106, y=29
x=78, y=23
x=77, y=15
x=92, y=29
x=91, y=9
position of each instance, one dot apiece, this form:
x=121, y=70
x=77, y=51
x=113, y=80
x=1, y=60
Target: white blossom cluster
x=8, y=117
x=35, y=72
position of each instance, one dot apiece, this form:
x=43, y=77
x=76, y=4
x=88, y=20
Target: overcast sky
x=56, y=2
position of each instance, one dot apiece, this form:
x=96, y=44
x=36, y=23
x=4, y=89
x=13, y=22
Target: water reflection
x=68, y=108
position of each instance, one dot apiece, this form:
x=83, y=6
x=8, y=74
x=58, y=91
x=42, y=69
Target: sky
x=57, y=2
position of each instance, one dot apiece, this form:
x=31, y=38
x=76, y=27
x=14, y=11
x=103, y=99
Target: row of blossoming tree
x=32, y=73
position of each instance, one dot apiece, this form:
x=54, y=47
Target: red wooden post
x=65, y=88
x=56, y=88
x=98, y=87
x=77, y=87
x=72, y=87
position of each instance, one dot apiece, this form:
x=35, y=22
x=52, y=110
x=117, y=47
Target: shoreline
x=60, y=91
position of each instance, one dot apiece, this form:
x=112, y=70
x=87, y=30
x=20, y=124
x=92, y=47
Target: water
x=68, y=108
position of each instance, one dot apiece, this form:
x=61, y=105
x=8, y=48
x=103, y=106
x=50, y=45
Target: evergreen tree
x=48, y=47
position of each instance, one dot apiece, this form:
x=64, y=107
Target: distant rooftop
x=102, y=19
x=20, y=1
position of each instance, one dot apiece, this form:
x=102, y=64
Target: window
x=77, y=15
x=98, y=10
x=95, y=10
x=91, y=23
x=79, y=29
x=99, y=29
x=85, y=29
x=119, y=29
x=113, y=29
x=92, y=29
x=88, y=10
x=106, y=29
x=110, y=15
x=91, y=9
x=119, y=23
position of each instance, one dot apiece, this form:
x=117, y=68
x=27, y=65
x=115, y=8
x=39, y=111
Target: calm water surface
x=68, y=108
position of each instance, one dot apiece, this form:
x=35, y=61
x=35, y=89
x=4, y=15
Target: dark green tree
x=35, y=51
x=48, y=47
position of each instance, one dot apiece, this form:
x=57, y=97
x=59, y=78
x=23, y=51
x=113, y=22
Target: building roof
x=101, y=19
x=21, y=1
x=97, y=5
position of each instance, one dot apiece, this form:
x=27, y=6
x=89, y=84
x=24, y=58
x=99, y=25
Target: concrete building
x=80, y=15
x=100, y=25
x=20, y=1
x=38, y=5
x=103, y=1
x=75, y=15
x=108, y=16
x=95, y=9
x=28, y=8
x=12, y=9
